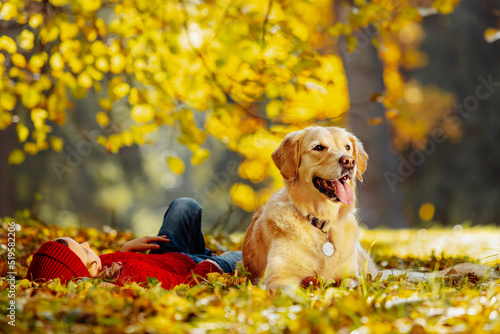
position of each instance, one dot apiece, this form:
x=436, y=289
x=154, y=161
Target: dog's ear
x=360, y=155
x=287, y=156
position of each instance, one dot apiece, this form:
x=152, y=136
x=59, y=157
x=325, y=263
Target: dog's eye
x=319, y=148
x=348, y=147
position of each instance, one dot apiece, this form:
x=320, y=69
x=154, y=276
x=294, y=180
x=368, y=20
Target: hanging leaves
x=176, y=165
x=244, y=196
x=16, y=157
x=244, y=72
x=142, y=113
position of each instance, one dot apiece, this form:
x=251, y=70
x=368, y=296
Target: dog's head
x=325, y=159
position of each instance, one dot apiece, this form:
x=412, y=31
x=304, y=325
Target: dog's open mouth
x=335, y=189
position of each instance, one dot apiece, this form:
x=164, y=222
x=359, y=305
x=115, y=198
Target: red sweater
x=170, y=269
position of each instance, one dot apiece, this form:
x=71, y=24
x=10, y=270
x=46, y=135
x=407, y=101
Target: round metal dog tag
x=328, y=248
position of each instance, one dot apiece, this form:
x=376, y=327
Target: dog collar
x=328, y=248
x=317, y=223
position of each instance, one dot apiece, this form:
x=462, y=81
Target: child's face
x=87, y=255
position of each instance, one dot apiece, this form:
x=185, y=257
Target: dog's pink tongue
x=344, y=192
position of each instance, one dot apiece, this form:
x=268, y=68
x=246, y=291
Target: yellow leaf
x=16, y=157
x=38, y=116
x=94, y=73
x=444, y=6
x=412, y=14
x=26, y=40
x=8, y=44
x=142, y=113
x=244, y=197
x=91, y=5
x=18, y=60
x=24, y=283
x=274, y=108
x=90, y=33
x=84, y=80
x=22, y=132
x=102, y=118
x=253, y=170
x=272, y=90
x=352, y=43
x=59, y=3
x=8, y=11
x=40, y=136
x=69, y=31
x=118, y=64
x=77, y=65
x=8, y=100
x=30, y=97
x=44, y=82
x=89, y=59
x=199, y=156
x=42, y=146
x=97, y=86
x=102, y=64
x=15, y=72
x=127, y=137
x=101, y=27
x=36, y=20
x=133, y=97
x=176, y=165
x=106, y=104
x=340, y=28
x=21, y=88
x=5, y=120
x=300, y=30
x=56, y=143
x=140, y=65
x=426, y=211
x=392, y=114
x=491, y=35
x=56, y=62
x=121, y=90
x=98, y=49
x=37, y=61
x=49, y=33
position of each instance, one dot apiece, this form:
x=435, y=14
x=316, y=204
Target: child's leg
x=228, y=262
x=182, y=225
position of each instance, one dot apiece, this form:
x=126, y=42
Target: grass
x=230, y=304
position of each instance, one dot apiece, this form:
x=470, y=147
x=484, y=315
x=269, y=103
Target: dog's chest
x=343, y=261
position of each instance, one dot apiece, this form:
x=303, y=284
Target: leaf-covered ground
x=230, y=304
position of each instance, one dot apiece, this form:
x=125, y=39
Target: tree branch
x=263, y=36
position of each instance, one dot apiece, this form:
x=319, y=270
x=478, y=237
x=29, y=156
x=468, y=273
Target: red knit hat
x=55, y=260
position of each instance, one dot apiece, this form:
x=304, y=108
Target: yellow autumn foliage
x=244, y=196
x=16, y=157
x=142, y=113
x=245, y=72
x=176, y=165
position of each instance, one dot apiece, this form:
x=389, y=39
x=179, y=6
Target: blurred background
x=423, y=97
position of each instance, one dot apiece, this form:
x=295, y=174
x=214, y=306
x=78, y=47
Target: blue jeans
x=182, y=225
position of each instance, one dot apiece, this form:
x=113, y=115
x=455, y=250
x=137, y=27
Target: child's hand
x=143, y=244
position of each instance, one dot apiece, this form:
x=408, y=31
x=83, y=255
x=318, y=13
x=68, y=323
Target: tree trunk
x=379, y=203
x=7, y=139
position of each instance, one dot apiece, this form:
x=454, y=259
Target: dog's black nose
x=347, y=161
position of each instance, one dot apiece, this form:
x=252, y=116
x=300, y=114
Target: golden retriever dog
x=308, y=227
